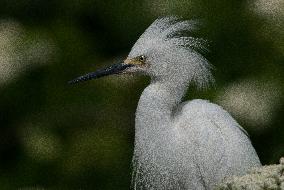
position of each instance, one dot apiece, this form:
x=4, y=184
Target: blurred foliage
x=55, y=136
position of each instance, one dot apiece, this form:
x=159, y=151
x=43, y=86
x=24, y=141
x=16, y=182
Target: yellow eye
x=142, y=58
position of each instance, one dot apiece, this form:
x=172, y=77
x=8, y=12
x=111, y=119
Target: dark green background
x=56, y=136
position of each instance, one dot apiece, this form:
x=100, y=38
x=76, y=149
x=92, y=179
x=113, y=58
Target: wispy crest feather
x=183, y=47
x=170, y=29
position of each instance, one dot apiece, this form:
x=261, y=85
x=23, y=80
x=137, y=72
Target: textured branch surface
x=269, y=177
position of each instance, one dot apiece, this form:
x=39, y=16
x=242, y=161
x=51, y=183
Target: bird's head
x=163, y=53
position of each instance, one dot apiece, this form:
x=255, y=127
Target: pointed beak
x=113, y=69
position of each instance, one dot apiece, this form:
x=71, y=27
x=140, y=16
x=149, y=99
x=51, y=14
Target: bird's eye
x=142, y=58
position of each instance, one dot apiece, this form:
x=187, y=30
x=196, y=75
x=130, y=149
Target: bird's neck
x=153, y=124
x=156, y=105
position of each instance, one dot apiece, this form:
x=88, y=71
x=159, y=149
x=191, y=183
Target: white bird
x=190, y=145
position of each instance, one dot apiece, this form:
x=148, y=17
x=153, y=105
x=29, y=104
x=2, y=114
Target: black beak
x=114, y=69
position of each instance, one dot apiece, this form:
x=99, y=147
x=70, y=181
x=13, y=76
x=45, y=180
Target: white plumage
x=191, y=145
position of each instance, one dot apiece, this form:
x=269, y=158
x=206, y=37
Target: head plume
x=170, y=34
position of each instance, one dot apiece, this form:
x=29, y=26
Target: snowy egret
x=189, y=145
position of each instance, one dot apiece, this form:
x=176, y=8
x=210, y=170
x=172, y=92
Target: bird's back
x=216, y=142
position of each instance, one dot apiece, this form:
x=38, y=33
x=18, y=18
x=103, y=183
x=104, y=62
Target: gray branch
x=270, y=177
